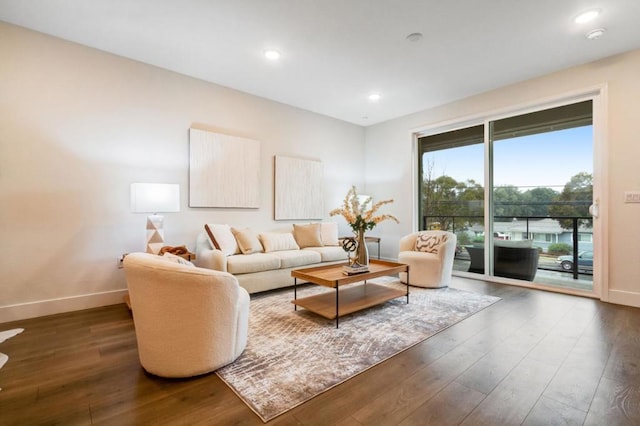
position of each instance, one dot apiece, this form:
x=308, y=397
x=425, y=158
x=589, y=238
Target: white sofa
x=264, y=261
x=189, y=321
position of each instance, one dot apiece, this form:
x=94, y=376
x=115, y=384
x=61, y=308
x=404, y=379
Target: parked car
x=585, y=261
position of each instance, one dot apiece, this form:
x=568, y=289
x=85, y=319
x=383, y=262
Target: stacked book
x=354, y=269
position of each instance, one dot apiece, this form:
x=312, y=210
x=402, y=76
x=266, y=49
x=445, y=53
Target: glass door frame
x=598, y=95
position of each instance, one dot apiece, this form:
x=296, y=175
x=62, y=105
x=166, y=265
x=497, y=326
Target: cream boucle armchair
x=188, y=320
x=429, y=255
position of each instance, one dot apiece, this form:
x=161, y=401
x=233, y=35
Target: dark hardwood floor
x=534, y=358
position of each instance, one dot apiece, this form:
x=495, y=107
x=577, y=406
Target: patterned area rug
x=292, y=356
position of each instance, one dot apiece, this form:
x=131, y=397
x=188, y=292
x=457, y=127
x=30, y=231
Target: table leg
x=407, y=285
x=295, y=293
x=337, y=307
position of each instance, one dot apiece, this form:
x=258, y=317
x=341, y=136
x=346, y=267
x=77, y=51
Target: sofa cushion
x=255, y=262
x=513, y=243
x=430, y=243
x=329, y=253
x=247, y=240
x=329, y=233
x=294, y=258
x=307, y=235
x=278, y=241
x=221, y=238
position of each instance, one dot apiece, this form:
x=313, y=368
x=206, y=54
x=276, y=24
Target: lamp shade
x=155, y=197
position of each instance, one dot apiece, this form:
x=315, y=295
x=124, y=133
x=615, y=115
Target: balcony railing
x=463, y=223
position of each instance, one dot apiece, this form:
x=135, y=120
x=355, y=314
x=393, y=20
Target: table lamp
x=155, y=198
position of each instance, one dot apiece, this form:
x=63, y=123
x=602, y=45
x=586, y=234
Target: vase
x=362, y=252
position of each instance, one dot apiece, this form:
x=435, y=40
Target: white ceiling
x=336, y=52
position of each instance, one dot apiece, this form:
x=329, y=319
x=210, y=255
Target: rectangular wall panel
x=298, y=189
x=224, y=171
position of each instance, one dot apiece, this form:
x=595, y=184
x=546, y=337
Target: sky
x=546, y=159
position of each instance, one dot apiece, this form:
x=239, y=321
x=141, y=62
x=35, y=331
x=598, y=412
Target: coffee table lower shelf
x=349, y=299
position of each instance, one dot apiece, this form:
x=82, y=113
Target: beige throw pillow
x=278, y=241
x=430, y=243
x=329, y=233
x=221, y=238
x=247, y=240
x=307, y=235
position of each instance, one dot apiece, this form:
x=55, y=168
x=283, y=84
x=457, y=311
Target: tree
x=507, y=201
x=574, y=200
x=538, y=201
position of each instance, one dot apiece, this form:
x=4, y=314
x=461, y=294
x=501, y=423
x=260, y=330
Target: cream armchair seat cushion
x=429, y=255
x=189, y=321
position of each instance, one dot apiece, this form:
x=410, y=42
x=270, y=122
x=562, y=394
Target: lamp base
x=155, y=233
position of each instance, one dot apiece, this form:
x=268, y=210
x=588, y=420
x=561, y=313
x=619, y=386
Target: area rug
x=292, y=356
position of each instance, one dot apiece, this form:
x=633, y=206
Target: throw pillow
x=170, y=257
x=329, y=233
x=430, y=243
x=247, y=240
x=221, y=238
x=278, y=241
x=307, y=235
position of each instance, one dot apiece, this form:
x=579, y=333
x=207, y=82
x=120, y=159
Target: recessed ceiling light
x=595, y=34
x=374, y=97
x=271, y=54
x=414, y=36
x=587, y=16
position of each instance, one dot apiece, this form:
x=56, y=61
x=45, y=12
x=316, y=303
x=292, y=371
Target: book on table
x=356, y=268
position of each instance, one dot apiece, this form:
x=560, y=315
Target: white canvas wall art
x=298, y=189
x=224, y=170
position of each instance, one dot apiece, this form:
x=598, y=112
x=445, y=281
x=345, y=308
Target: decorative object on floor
x=298, y=188
x=188, y=321
x=4, y=335
x=430, y=256
x=355, y=212
x=292, y=356
x=224, y=170
x=155, y=198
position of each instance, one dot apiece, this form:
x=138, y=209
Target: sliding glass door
x=451, y=189
x=533, y=173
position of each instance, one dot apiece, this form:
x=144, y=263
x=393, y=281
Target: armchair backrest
x=408, y=242
x=180, y=309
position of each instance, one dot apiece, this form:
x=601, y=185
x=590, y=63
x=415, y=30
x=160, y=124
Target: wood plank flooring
x=534, y=358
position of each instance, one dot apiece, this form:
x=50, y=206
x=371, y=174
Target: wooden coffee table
x=349, y=299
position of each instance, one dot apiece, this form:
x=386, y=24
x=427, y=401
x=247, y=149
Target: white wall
x=389, y=156
x=78, y=125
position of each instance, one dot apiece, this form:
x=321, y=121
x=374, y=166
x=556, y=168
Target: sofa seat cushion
x=254, y=262
x=329, y=253
x=294, y=258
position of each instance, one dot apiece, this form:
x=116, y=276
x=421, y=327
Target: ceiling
x=335, y=53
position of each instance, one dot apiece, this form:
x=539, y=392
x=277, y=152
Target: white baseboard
x=57, y=306
x=621, y=297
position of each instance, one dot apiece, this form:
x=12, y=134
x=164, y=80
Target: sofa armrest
x=207, y=257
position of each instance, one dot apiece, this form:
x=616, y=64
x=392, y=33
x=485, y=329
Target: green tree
x=471, y=201
x=538, y=201
x=574, y=200
x=508, y=201
x=439, y=200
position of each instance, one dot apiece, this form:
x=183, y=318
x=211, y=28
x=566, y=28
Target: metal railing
x=479, y=219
